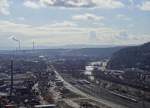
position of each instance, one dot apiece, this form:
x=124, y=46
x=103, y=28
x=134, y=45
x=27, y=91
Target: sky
x=72, y=22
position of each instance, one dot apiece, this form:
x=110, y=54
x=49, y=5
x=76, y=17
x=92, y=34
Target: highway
x=94, y=98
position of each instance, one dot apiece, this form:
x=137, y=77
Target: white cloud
x=125, y=38
x=68, y=33
x=36, y=4
x=123, y=17
x=21, y=18
x=63, y=24
x=32, y=4
x=131, y=2
x=88, y=16
x=26, y=29
x=4, y=7
x=59, y=32
x=145, y=6
x=93, y=37
x=109, y=4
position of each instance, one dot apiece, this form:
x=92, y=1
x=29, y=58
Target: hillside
x=129, y=57
x=94, y=52
x=86, y=52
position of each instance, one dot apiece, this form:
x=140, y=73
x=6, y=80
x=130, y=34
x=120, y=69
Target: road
x=76, y=90
x=106, y=94
x=71, y=103
x=42, y=101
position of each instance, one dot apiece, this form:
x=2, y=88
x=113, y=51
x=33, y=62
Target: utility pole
x=33, y=47
x=11, y=85
x=19, y=45
x=143, y=99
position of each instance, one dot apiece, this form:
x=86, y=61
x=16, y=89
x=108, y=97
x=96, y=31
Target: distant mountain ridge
x=86, y=52
x=95, y=52
x=131, y=57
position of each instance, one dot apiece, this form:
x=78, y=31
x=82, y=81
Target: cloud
x=145, y=6
x=108, y=4
x=88, y=16
x=21, y=18
x=4, y=7
x=62, y=32
x=112, y=4
x=63, y=24
x=31, y=4
x=93, y=37
x=26, y=29
x=123, y=35
x=67, y=33
x=123, y=17
x=131, y=2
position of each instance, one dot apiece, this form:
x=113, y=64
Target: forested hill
x=129, y=57
x=94, y=52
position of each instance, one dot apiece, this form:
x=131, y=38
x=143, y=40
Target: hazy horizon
x=53, y=23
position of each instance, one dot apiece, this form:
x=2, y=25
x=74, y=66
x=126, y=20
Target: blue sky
x=64, y=22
